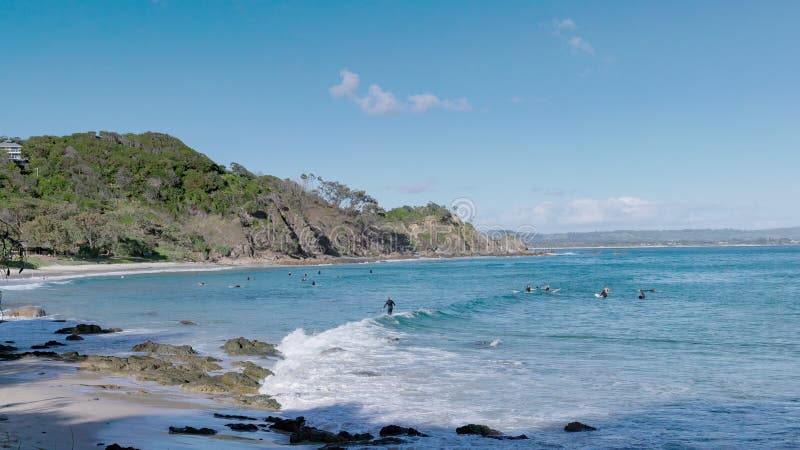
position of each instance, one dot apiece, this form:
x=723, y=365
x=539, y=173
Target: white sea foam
x=27, y=283
x=21, y=287
x=360, y=373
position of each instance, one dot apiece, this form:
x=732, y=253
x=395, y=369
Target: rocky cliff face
x=150, y=195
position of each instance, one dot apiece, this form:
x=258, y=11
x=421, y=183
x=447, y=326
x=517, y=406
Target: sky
x=560, y=116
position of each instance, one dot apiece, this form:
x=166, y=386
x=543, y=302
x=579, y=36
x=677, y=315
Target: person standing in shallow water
x=389, y=305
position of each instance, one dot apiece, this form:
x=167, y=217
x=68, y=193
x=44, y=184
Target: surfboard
x=598, y=295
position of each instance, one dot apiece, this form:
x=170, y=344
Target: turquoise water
x=710, y=360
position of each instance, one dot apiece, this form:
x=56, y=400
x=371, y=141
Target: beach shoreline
x=55, y=401
x=61, y=272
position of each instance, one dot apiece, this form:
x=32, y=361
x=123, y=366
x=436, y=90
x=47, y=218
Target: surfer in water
x=604, y=293
x=642, y=291
x=547, y=288
x=528, y=288
x=389, y=305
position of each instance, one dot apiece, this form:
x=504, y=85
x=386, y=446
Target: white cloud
x=426, y=102
x=348, y=87
x=566, y=29
x=378, y=101
x=578, y=44
x=587, y=214
x=565, y=24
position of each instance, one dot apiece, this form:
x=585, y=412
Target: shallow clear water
x=710, y=360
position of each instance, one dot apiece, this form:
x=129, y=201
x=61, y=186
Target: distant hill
x=623, y=238
x=150, y=196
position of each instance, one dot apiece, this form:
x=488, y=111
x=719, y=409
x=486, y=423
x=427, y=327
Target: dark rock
x=242, y=346
x=233, y=417
x=118, y=447
x=574, y=427
x=288, y=425
x=358, y=437
x=272, y=419
x=9, y=342
x=242, y=427
x=7, y=348
x=87, y=329
x=192, y=430
x=395, y=430
x=74, y=337
x=164, y=349
x=309, y=434
x=387, y=441
x=47, y=344
x=481, y=430
x=508, y=438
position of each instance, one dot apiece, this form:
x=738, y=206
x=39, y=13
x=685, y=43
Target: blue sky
x=564, y=116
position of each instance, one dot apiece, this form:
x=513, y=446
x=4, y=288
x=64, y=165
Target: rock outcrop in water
x=87, y=329
x=47, y=344
x=192, y=430
x=180, y=365
x=245, y=347
x=483, y=430
x=27, y=312
x=164, y=349
x=575, y=427
x=396, y=430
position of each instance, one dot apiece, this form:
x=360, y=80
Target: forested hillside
x=151, y=196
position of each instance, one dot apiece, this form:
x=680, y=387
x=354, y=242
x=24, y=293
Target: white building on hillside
x=13, y=149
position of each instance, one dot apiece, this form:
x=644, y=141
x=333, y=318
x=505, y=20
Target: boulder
x=87, y=329
x=575, y=427
x=244, y=347
x=227, y=383
x=396, y=430
x=253, y=371
x=28, y=312
x=7, y=348
x=249, y=427
x=387, y=441
x=74, y=337
x=116, y=446
x=192, y=430
x=47, y=344
x=309, y=434
x=164, y=349
x=287, y=425
x=233, y=417
x=508, y=438
x=481, y=430
x=358, y=437
x=260, y=401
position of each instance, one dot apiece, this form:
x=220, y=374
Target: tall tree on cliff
x=11, y=248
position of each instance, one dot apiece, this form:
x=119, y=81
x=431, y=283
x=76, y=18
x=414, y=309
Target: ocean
x=711, y=359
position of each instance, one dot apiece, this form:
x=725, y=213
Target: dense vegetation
x=151, y=196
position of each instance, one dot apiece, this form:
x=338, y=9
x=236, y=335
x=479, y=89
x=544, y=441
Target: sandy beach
x=46, y=404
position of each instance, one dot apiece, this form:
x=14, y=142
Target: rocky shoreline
x=182, y=366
